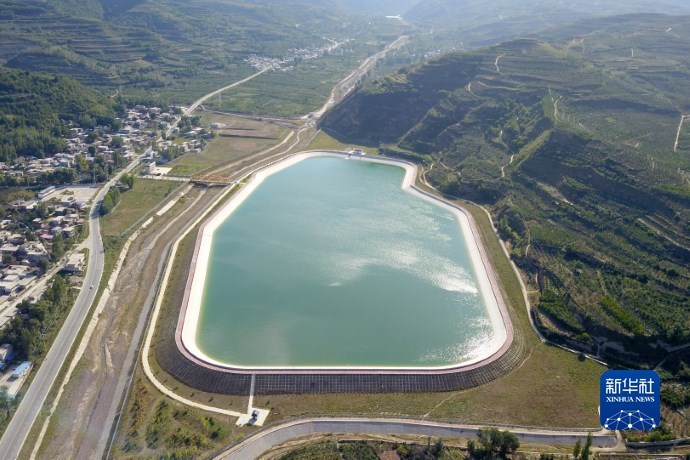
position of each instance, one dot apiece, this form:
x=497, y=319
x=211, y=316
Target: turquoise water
x=330, y=263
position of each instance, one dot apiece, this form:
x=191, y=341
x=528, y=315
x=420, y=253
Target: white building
x=75, y=264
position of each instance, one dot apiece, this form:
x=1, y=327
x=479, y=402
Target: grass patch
x=324, y=141
x=135, y=204
x=373, y=449
x=241, y=138
x=154, y=426
x=9, y=195
x=510, y=286
x=322, y=451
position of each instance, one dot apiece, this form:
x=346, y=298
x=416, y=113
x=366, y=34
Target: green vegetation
x=127, y=180
x=31, y=338
x=471, y=23
x=374, y=450
x=675, y=393
x=494, y=444
x=33, y=331
x=325, y=451
x=628, y=321
x=323, y=141
x=179, y=431
x=37, y=110
x=134, y=204
x=581, y=452
x=662, y=433
x=167, y=51
x=553, y=306
x=241, y=138
x=491, y=444
x=301, y=89
x=675, y=396
x=570, y=146
x=111, y=199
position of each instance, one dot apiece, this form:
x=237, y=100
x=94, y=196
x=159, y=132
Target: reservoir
x=329, y=262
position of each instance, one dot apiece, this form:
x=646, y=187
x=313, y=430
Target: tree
x=119, y=159
x=127, y=180
x=577, y=448
x=450, y=185
x=58, y=249
x=586, y=449
x=493, y=443
x=57, y=293
x=116, y=142
x=43, y=264
x=437, y=449
x=41, y=209
x=6, y=401
x=112, y=198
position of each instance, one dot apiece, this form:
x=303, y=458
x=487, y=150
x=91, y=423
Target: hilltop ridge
x=164, y=46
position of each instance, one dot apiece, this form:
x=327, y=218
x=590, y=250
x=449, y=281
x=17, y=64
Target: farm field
x=239, y=138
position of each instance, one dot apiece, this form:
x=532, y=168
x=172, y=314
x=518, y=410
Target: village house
x=33, y=252
x=75, y=263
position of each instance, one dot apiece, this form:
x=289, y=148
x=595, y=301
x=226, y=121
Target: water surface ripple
x=330, y=263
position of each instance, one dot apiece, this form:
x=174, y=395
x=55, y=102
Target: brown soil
x=82, y=416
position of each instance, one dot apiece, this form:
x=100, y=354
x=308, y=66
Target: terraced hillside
x=569, y=138
x=179, y=49
x=477, y=23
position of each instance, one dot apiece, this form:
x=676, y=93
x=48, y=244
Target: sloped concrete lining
x=178, y=355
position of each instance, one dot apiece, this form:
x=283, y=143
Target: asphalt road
x=32, y=403
x=264, y=440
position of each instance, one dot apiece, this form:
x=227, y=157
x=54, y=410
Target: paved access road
x=32, y=402
x=264, y=440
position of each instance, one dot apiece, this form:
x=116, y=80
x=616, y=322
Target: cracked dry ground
x=83, y=417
